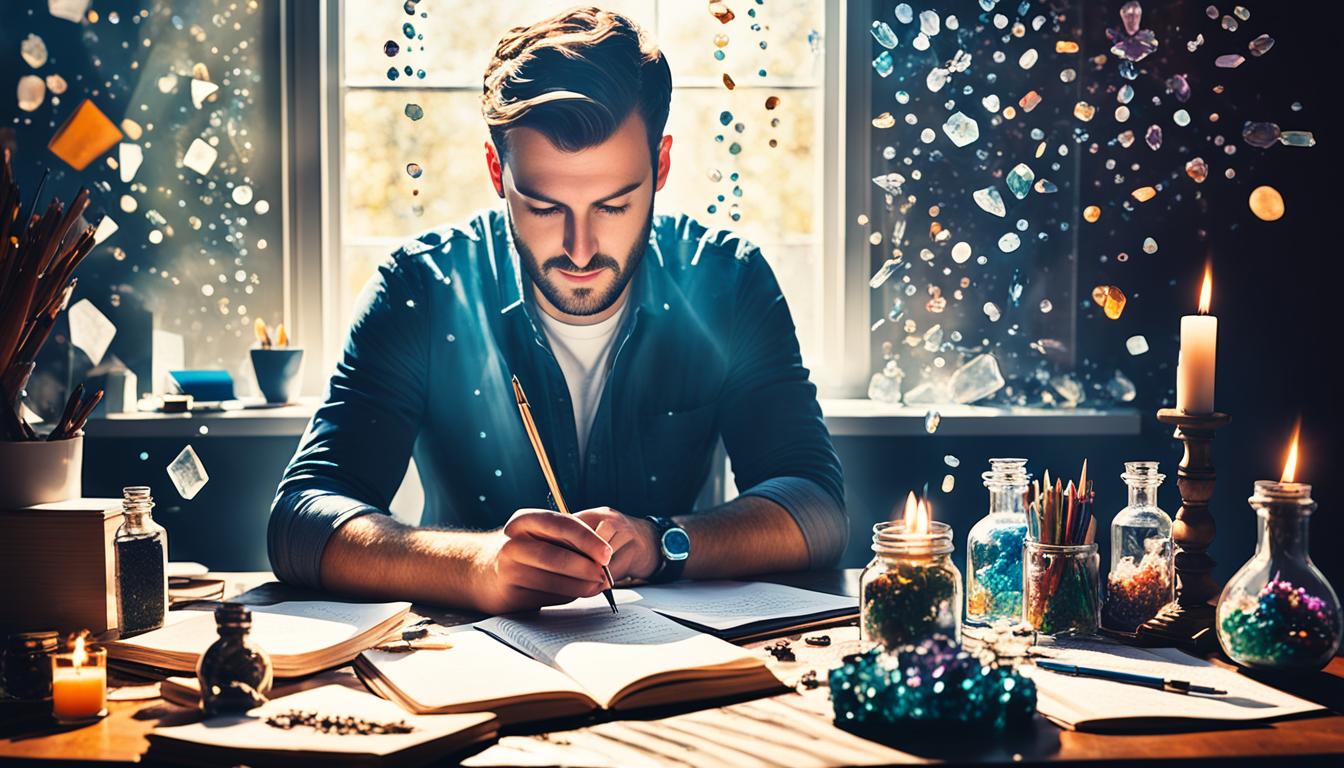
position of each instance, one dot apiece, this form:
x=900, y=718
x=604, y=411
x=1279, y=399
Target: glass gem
x=961, y=129
x=1136, y=345
x=200, y=157
x=990, y=201
x=84, y=136
x=414, y=111
x=1111, y=300
x=1091, y=213
x=1149, y=245
x=904, y=13
x=34, y=51
x=1179, y=85
x=1028, y=59
x=1153, y=137
x=1019, y=180
x=1009, y=242
x=390, y=48
x=1144, y=194
x=1066, y=46
x=1029, y=101
x=1260, y=134
x=883, y=64
x=1229, y=61
x=1197, y=169
x=883, y=34
x=929, y=23
x=884, y=120
x=890, y=182
x=1084, y=111
x=1266, y=203
x=32, y=91
x=1298, y=138
x=1260, y=45
x=1045, y=187
x=977, y=379
x=188, y=473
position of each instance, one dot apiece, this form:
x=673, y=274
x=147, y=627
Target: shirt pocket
x=677, y=447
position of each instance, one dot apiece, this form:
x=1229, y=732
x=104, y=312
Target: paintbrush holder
x=1061, y=588
x=40, y=471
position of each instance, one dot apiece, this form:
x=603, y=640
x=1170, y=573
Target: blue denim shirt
x=708, y=350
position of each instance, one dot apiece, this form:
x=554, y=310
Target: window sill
x=860, y=417
x=285, y=421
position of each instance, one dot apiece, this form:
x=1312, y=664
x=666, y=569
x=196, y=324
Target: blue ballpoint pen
x=1151, y=681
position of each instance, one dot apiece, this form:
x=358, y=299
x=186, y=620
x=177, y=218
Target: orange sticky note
x=84, y=136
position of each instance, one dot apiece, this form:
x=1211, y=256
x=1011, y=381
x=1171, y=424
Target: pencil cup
x=1062, y=588
x=40, y=471
x=277, y=372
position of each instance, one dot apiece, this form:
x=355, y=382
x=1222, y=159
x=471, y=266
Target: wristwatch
x=674, y=547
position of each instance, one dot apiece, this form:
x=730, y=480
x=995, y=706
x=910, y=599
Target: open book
x=231, y=739
x=1092, y=704
x=566, y=661
x=743, y=610
x=301, y=636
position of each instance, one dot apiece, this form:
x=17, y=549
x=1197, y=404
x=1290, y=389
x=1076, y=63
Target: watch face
x=676, y=544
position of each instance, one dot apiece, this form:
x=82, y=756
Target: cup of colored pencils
x=1061, y=568
x=276, y=364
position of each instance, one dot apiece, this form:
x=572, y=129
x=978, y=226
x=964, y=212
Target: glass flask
x=994, y=546
x=1142, y=578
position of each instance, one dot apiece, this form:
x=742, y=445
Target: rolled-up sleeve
x=771, y=422
x=355, y=451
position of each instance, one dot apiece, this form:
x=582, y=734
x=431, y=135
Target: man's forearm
x=748, y=535
x=374, y=556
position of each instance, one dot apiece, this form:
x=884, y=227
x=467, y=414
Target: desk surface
x=791, y=729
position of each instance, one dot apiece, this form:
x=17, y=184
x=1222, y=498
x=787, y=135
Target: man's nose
x=580, y=240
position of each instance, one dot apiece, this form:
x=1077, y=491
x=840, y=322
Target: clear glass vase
x=994, y=546
x=1061, y=591
x=1142, y=578
x=911, y=590
x=1278, y=612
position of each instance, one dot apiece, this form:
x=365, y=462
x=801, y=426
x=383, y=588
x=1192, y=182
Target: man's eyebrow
x=628, y=188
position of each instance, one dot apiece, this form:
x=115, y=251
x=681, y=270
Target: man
x=639, y=340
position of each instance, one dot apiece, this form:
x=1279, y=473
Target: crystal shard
x=32, y=90
x=129, y=158
x=1131, y=15
x=1136, y=345
x=90, y=330
x=1260, y=135
x=70, y=10
x=961, y=129
x=977, y=379
x=188, y=473
x=1197, y=169
x=1019, y=180
x=1153, y=138
x=1111, y=300
x=883, y=64
x=200, y=157
x=928, y=22
x=990, y=201
x=1298, y=139
x=33, y=51
x=1229, y=61
x=883, y=35
x=890, y=182
x=1266, y=203
x=1260, y=45
x=1120, y=388
x=202, y=90
x=84, y=136
x=1009, y=242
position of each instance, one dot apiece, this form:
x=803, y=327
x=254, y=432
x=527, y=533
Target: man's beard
x=582, y=302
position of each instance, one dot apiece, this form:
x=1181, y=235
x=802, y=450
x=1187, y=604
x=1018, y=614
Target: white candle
x=1199, y=345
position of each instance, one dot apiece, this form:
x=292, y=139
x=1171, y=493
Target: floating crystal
x=883, y=64
x=990, y=103
x=884, y=273
x=928, y=22
x=56, y=85
x=1019, y=180
x=990, y=201
x=961, y=252
x=1111, y=300
x=1028, y=59
x=1179, y=86
x=1298, y=138
x=1069, y=389
x=904, y=13
x=884, y=388
x=1135, y=47
x=414, y=170
x=1120, y=388
x=70, y=10
x=1136, y=345
x=202, y=90
x=1149, y=246
x=129, y=159
x=1181, y=117
x=931, y=421
x=1241, y=12
x=1131, y=15
x=414, y=111
x=1229, y=61
x=1045, y=187
x=951, y=461
x=1066, y=46
x=1091, y=213
x=90, y=330
x=1126, y=138
x=1197, y=169
x=1144, y=194
x=1084, y=111
x=936, y=79
x=1153, y=138
x=884, y=120
x=890, y=182
x=883, y=35
x=31, y=91
x=1261, y=135
x=200, y=157
x=1261, y=45
x=1266, y=203
x=977, y=379
x=242, y=194
x=933, y=338
x=1009, y=242
x=1029, y=101
x=991, y=311
x=949, y=482
x=84, y=136
x=961, y=129
x=188, y=473
x=1230, y=24
x=1125, y=94
x=106, y=228
x=33, y=51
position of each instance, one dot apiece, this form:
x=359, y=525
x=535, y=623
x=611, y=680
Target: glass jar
x=27, y=665
x=911, y=590
x=235, y=675
x=994, y=545
x=1278, y=612
x=142, y=565
x=1061, y=588
x=1142, y=579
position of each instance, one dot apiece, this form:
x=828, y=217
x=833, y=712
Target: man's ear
x=492, y=164
x=664, y=162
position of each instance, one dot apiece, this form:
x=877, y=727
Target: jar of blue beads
x=1278, y=612
x=994, y=545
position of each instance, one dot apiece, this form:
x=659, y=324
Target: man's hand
x=631, y=538
x=540, y=558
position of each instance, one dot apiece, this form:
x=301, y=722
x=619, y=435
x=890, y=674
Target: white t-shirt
x=584, y=353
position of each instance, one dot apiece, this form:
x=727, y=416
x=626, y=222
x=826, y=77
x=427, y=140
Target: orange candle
x=79, y=684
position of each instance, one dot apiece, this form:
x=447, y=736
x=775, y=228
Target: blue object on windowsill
x=204, y=384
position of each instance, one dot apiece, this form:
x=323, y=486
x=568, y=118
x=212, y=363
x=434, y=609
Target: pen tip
x=518, y=392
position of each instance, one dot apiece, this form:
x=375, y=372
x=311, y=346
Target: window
x=729, y=145
x=194, y=185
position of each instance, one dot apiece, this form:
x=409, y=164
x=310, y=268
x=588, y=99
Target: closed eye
x=613, y=209
x=544, y=211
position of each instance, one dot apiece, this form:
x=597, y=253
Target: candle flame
x=79, y=656
x=916, y=515
x=1290, y=466
x=1206, y=290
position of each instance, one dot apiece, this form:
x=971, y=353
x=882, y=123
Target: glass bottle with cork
x=1142, y=578
x=235, y=675
x=142, y=565
x=994, y=546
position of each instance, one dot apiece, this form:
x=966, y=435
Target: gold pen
x=531, y=427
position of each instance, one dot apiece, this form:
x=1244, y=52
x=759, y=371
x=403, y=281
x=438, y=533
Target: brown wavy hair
x=575, y=77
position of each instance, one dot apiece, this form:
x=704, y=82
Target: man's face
x=581, y=219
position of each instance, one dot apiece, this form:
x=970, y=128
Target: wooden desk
x=792, y=729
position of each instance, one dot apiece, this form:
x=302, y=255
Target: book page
x=1077, y=699
x=285, y=629
x=477, y=669
x=606, y=652
x=723, y=605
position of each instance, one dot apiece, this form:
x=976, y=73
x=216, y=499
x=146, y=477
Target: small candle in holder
x=1199, y=344
x=911, y=590
x=79, y=684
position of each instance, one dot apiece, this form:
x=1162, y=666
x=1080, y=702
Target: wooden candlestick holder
x=1188, y=623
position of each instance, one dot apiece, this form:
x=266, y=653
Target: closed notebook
x=247, y=738
x=1093, y=704
x=566, y=661
x=301, y=636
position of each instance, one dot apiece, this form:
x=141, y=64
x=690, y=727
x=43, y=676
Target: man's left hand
x=635, y=553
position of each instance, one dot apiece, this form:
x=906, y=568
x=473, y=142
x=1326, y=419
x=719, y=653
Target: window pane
x=690, y=35
x=198, y=250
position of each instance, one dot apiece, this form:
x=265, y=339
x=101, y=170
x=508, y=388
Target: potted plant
x=38, y=257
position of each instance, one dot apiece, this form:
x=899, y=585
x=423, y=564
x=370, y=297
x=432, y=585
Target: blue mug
x=277, y=371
